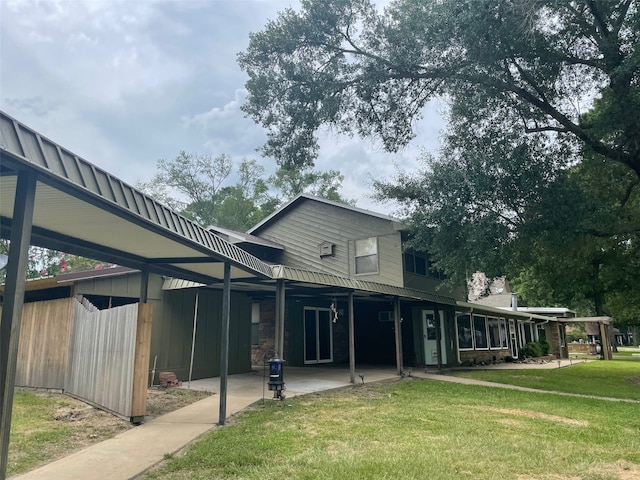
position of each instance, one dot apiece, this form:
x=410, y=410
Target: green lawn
x=618, y=378
x=420, y=429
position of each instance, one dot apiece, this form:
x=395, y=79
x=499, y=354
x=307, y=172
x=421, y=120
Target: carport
x=50, y=197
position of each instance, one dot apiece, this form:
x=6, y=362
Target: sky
x=126, y=83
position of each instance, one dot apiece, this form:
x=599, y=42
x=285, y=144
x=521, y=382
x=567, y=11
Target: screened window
x=366, y=256
x=255, y=324
x=494, y=332
x=465, y=338
x=480, y=331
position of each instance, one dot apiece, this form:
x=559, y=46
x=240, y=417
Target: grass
x=47, y=426
x=416, y=429
x=618, y=378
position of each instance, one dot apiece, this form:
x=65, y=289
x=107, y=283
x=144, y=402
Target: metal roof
x=325, y=279
x=502, y=312
x=84, y=210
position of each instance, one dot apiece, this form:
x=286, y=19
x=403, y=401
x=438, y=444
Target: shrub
x=546, y=347
x=531, y=350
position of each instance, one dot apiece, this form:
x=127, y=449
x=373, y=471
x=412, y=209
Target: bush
x=531, y=350
x=546, y=347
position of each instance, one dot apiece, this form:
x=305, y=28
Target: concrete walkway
x=130, y=453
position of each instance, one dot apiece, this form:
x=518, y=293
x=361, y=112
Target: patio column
x=280, y=314
x=224, y=347
x=398, y=333
x=18, y=259
x=352, y=340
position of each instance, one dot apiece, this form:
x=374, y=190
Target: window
x=418, y=263
x=366, y=256
x=480, y=331
x=255, y=324
x=503, y=333
x=494, y=332
x=465, y=339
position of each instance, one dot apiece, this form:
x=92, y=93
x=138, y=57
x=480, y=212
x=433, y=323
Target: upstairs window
x=366, y=256
x=418, y=263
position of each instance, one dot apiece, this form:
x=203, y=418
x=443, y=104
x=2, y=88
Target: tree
x=198, y=187
x=291, y=182
x=44, y=262
x=342, y=64
x=540, y=167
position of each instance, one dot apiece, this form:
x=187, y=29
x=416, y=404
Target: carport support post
x=18, y=260
x=280, y=309
x=398, y=333
x=604, y=340
x=352, y=340
x=224, y=347
x=141, y=352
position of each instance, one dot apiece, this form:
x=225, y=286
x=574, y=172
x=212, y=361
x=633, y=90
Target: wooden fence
x=101, y=356
x=89, y=353
x=43, y=348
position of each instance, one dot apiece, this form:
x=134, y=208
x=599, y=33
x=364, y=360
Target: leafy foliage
x=199, y=187
x=343, y=64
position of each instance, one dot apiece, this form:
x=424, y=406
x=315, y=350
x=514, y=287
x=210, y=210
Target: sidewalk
x=132, y=452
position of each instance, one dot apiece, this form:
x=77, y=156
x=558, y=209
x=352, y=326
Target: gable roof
x=235, y=237
x=303, y=197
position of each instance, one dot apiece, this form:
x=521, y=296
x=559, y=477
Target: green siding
x=172, y=343
x=309, y=223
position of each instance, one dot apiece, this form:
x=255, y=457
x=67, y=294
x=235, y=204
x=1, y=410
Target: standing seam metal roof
x=60, y=165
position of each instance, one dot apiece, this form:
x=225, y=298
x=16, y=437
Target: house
x=345, y=290
x=368, y=253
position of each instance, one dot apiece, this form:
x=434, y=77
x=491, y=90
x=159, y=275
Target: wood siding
x=44, y=344
x=309, y=223
x=102, y=357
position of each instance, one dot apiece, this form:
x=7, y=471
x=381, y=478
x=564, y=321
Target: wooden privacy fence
x=43, y=349
x=101, y=356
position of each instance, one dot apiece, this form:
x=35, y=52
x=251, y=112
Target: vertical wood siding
x=102, y=356
x=44, y=344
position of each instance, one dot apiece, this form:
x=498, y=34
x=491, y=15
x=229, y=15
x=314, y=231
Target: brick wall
x=267, y=332
x=487, y=356
x=552, y=334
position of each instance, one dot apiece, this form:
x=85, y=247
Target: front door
x=318, y=335
x=430, y=332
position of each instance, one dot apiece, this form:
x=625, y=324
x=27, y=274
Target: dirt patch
x=549, y=477
x=620, y=470
x=532, y=414
x=164, y=400
x=634, y=380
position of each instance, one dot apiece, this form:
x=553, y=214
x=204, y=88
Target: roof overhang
x=83, y=210
x=467, y=307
